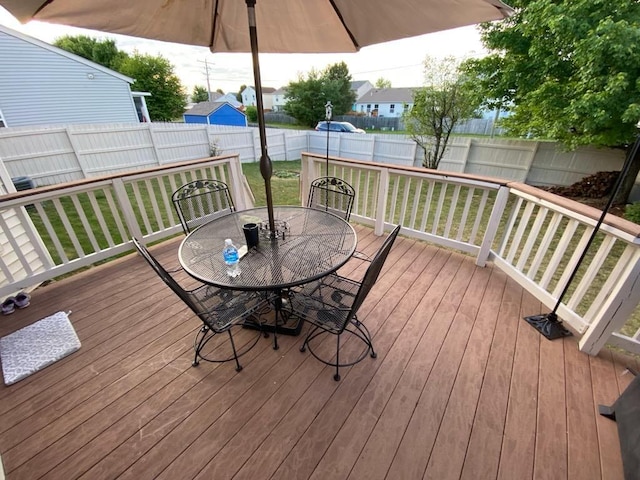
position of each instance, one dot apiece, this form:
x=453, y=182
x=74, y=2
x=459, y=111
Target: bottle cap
x=228, y=241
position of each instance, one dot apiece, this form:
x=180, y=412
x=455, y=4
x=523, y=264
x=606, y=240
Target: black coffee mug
x=251, y=234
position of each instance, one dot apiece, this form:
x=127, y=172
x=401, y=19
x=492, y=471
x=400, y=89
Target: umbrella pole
x=266, y=168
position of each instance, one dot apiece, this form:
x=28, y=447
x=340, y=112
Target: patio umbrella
x=286, y=26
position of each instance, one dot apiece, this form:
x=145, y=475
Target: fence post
x=381, y=210
x=154, y=143
x=284, y=142
x=76, y=150
x=373, y=148
x=492, y=226
x=615, y=310
x=534, y=153
x=127, y=210
x=466, y=155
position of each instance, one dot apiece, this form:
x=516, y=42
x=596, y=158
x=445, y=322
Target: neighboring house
x=43, y=85
x=280, y=99
x=215, y=113
x=385, y=102
x=231, y=99
x=360, y=87
x=249, y=97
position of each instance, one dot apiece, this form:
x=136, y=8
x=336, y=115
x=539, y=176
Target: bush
x=252, y=114
x=632, y=212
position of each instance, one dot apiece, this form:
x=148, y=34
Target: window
x=375, y=107
x=392, y=107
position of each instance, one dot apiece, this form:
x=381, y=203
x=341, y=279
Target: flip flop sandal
x=22, y=300
x=8, y=306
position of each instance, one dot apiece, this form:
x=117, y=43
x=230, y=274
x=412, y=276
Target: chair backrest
x=166, y=277
x=371, y=276
x=200, y=201
x=333, y=195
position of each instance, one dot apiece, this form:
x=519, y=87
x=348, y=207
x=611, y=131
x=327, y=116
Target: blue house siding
x=225, y=114
x=39, y=86
x=195, y=119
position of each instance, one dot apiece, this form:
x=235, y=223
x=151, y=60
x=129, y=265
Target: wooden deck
x=461, y=388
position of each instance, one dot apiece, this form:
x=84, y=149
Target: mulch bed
x=593, y=190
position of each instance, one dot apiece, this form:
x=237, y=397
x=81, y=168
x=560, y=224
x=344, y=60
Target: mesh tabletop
x=313, y=244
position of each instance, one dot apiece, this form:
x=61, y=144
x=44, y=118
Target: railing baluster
x=98, y=213
x=85, y=223
x=68, y=227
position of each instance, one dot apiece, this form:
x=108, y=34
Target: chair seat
x=222, y=308
x=326, y=303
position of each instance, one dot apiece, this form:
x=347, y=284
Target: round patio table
x=311, y=244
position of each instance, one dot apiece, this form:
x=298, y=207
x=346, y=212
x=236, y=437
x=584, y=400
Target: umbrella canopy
x=286, y=26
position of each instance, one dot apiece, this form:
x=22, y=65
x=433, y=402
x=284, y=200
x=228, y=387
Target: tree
x=383, y=83
x=438, y=106
x=337, y=88
x=200, y=94
x=568, y=71
x=306, y=98
x=103, y=52
x=239, y=94
x=252, y=113
x=156, y=75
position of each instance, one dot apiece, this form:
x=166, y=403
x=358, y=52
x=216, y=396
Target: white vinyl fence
x=61, y=154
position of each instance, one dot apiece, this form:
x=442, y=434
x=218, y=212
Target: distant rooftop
x=388, y=95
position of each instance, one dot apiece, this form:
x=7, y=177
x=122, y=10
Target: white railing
x=89, y=221
x=534, y=236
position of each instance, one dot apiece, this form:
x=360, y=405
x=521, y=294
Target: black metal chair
x=219, y=310
x=331, y=194
x=331, y=306
x=200, y=201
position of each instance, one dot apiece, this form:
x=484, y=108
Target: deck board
x=462, y=387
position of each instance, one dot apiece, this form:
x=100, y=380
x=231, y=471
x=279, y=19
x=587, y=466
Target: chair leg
x=197, y=345
x=336, y=377
x=235, y=354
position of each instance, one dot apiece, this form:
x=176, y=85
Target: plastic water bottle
x=231, y=258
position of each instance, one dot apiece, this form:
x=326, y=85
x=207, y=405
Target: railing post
x=615, y=310
x=127, y=210
x=492, y=226
x=306, y=167
x=237, y=185
x=381, y=210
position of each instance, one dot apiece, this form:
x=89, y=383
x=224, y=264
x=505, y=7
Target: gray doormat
x=36, y=346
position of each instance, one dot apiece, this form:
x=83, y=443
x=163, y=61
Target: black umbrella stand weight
x=548, y=324
x=266, y=167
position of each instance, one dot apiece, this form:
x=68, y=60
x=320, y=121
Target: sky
x=399, y=61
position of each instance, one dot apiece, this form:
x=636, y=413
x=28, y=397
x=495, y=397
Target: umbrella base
x=548, y=325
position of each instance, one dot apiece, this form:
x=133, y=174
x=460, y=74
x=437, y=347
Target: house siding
x=223, y=115
x=195, y=119
x=40, y=87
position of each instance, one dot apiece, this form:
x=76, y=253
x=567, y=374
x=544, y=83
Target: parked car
x=344, y=127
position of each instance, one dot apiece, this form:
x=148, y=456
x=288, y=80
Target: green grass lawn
x=285, y=182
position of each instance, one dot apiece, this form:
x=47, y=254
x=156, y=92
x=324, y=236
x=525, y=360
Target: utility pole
x=206, y=70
